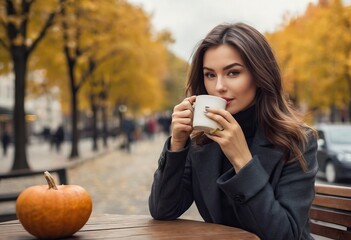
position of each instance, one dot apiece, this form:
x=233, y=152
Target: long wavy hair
x=280, y=122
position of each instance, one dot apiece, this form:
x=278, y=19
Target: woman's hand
x=182, y=120
x=231, y=139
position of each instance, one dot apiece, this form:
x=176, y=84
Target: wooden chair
x=331, y=212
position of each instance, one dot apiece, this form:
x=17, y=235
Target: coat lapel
x=268, y=154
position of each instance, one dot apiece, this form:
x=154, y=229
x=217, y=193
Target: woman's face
x=226, y=76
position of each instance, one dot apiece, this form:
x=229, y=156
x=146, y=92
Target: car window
x=340, y=135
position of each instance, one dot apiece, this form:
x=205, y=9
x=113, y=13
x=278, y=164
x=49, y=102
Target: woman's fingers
x=186, y=104
x=182, y=116
x=222, y=117
x=182, y=119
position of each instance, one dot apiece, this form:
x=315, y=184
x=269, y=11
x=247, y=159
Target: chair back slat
x=333, y=190
x=329, y=232
x=330, y=213
x=331, y=216
x=332, y=201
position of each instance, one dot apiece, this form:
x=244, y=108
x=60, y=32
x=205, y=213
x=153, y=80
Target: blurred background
x=97, y=71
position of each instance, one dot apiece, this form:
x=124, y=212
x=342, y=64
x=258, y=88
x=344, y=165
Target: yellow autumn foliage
x=314, y=52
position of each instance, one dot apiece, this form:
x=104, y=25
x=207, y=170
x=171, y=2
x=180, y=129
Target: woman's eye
x=209, y=75
x=233, y=73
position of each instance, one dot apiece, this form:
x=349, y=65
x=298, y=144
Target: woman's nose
x=220, y=84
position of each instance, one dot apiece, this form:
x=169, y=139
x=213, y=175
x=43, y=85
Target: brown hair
x=272, y=110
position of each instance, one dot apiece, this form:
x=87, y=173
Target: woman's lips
x=229, y=100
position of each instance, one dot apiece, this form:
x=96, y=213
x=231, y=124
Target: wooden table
x=137, y=227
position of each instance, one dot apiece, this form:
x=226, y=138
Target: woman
x=257, y=173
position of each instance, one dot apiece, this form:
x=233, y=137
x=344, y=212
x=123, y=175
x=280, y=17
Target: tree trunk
x=17, y=16
x=94, y=109
x=20, y=130
x=74, y=111
x=104, y=125
x=74, y=141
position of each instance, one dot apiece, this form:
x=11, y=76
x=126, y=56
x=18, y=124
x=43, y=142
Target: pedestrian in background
x=165, y=121
x=257, y=172
x=128, y=130
x=59, y=137
x=5, y=140
x=151, y=127
x=46, y=134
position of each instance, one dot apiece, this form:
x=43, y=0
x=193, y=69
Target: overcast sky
x=190, y=20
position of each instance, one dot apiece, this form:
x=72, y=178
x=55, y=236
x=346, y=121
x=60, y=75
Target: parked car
x=334, y=151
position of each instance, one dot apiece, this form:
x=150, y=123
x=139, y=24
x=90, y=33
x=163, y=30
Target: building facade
x=42, y=112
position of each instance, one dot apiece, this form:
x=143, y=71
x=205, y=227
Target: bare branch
x=49, y=22
x=88, y=72
x=42, y=33
x=93, y=64
x=64, y=24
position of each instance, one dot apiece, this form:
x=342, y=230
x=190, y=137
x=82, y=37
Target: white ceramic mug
x=201, y=122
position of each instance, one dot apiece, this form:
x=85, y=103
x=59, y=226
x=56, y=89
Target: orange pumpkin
x=54, y=211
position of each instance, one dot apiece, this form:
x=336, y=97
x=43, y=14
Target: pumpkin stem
x=50, y=180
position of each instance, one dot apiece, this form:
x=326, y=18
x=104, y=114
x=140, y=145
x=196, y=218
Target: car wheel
x=330, y=172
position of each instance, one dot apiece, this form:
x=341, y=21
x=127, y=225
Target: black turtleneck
x=247, y=121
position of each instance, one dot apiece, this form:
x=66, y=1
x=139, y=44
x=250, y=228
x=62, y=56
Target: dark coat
x=269, y=197
x=5, y=139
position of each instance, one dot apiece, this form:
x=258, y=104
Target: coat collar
x=207, y=167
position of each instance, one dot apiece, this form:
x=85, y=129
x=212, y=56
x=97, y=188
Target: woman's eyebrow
x=207, y=68
x=225, y=68
x=232, y=65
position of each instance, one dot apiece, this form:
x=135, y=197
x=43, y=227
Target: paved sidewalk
x=119, y=182
x=41, y=156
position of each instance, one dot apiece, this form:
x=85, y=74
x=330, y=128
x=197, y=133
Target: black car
x=334, y=151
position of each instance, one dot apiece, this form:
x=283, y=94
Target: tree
x=20, y=34
x=120, y=49
x=134, y=76
x=314, y=54
x=120, y=33
x=81, y=41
